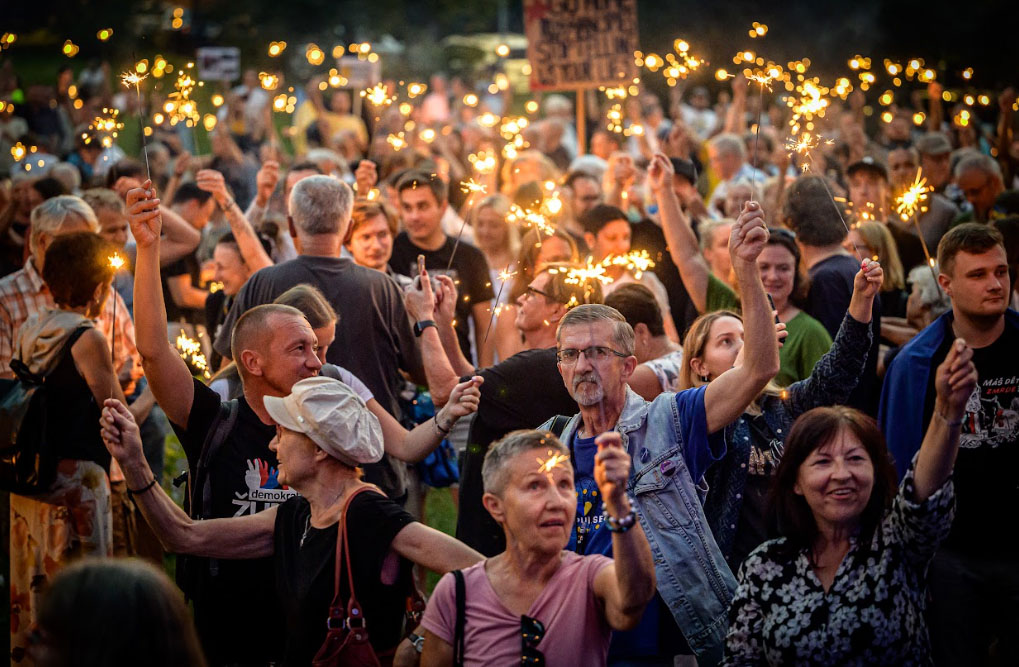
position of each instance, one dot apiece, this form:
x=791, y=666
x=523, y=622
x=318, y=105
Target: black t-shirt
x=185, y=266
x=646, y=235
x=756, y=525
x=831, y=290
x=73, y=414
x=469, y=271
x=986, y=490
x=305, y=574
x=217, y=305
x=523, y=391
x=237, y=614
x=909, y=246
x=373, y=334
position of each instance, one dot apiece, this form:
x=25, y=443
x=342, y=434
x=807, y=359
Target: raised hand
x=419, y=298
x=463, y=400
x=365, y=177
x=120, y=432
x=265, y=181
x=660, y=173
x=143, y=214
x=955, y=380
x=612, y=472
x=749, y=235
x=446, y=300
x=212, y=181
x=866, y=286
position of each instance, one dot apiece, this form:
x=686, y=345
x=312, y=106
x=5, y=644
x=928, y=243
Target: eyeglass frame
x=585, y=351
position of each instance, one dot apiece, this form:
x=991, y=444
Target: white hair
x=730, y=144
x=321, y=205
x=49, y=216
x=931, y=296
x=979, y=162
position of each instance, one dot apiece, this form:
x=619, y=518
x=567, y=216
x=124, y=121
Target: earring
x=705, y=378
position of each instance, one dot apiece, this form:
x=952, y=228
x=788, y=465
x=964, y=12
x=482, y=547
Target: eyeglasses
x=534, y=290
x=532, y=631
x=570, y=355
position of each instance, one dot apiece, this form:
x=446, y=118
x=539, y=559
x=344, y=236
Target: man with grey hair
x=373, y=334
x=979, y=177
x=727, y=155
x=671, y=441
x=23, y=293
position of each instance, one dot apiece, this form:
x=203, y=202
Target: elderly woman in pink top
x=536, y=603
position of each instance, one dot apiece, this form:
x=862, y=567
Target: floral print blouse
x=873, y=614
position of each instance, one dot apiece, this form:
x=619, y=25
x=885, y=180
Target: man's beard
x=589, y=394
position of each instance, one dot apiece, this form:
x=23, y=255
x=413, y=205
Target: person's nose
x=840, y=470
x=583, y=363
x=313, y=362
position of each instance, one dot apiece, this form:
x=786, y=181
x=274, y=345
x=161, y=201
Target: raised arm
x=628, y=584
x=837, y=372
x=433, y=550
x=683, y=246
x=265, y=184
x=414, y=445
x=251, y=248
x=244, y=537
x=168, y=375
x=178, y=237
x=728, y=396
x=954, y=382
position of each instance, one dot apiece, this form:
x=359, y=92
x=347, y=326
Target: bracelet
x=622, y=524
x=229, y=205
x=945, y=419
x=443, y=431
x=136, y=492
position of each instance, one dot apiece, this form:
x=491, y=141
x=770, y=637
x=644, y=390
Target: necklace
x=307, y=522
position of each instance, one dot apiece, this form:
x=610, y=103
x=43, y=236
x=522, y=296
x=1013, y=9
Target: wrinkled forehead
x=586, y=334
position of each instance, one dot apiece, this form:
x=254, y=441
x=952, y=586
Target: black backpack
x=198, y=496
x=28, y=457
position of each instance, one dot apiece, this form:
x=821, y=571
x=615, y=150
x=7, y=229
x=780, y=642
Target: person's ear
x=590, y=239
x=698, y=367
x=291, y=226
x=797, y=489
x=557, y=313
x=252, y=362
x=493, y=504
x=946, y=284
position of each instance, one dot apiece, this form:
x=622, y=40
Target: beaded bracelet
x=623, y=524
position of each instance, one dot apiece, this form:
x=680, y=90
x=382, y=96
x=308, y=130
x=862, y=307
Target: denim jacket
x=693, y=578
x=834, y=377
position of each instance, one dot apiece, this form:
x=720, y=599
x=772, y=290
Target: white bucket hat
x=333, y=416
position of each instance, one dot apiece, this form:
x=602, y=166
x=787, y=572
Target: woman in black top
x=325, y=432
x=73, y=517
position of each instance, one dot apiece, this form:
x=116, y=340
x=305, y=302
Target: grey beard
x=587, y=396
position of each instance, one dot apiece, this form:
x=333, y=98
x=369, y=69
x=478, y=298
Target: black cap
x=684, y=168
x=869, y=163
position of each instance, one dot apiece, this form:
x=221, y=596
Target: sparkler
x=504, y=277
x=909, y=204
x=764, y=79
x=637, y=261
x=115, y=261
x=134, y=79
x=554, y=460
x=471, y=188
x=190, y=350
x=804, y=145
x=106, y=126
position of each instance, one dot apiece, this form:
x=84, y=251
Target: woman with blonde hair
x=499, y=240
x=738, y=483
x=875, y=240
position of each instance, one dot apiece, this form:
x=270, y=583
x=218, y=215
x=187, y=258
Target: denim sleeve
x=836, y=373
x=699, y=450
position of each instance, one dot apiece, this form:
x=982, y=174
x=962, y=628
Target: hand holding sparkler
x=265, y=182
x=660, y=173
x=749, y=235
x=419, y=298
x=143, y=214
x=463, y=401
x=365, y=177
x=866, y=286
x=445, y=298
x=612, y=472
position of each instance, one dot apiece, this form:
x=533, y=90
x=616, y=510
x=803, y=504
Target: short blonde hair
x=49, y=216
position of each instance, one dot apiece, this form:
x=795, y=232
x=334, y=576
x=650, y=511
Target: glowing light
x=397, y=141
x=554, y=460
x=104, y=34
x=268, y=80
x=18, y=151
x=70, y=49
x=471, y=100
x=314, y=55
x=103, y=128
x=276, y=48
x=415, y=89
x=636, y=262
x=217, y=100
x=209, y=122
x=502, y=50
x=115, y=261
x=471, y=186
x=912, y=198
x=378, y=95
x=190, y=350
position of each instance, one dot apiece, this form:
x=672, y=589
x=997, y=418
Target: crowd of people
x=709, y=401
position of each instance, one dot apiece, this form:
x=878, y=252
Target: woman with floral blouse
x=846, y=583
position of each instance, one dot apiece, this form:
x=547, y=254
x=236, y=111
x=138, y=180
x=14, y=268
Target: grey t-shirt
x=374, y=340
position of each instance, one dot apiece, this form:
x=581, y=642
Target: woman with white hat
x=325, y=433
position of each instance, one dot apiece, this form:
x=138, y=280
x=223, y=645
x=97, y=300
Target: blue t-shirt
x=589, y=535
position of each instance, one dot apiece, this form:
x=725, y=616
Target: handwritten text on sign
x=575, y=44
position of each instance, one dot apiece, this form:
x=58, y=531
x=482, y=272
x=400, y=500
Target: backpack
x=28, y=457
x=198, y=495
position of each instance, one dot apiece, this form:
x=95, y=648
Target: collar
x=38, y=284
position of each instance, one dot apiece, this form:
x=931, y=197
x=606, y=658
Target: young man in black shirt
x=973, y=579
x=185, y=300
x=423, y=200
x=517, y=393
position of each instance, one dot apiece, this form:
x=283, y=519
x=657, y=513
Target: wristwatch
x=417, y=641
x=419, y=327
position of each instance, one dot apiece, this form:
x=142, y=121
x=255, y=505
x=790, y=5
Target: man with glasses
x=671, y=442
x=519, y=392
x=979, y=178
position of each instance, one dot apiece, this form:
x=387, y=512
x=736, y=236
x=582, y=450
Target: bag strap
x=343, y=551
x=20, y=368
x=461, y=618
x=220, y=428
x=558, y=425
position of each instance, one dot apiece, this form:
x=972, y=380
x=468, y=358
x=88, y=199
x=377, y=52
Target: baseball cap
x=333, y=416
x=684, y=168
x=869, y=163
x=934, y=143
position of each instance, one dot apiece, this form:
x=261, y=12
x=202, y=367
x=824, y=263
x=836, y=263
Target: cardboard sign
x=579, y=44
x=218, y=63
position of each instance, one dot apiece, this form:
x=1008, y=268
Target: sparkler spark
x=115, y=261
x=134, y=78
x=470, y=186
x=105, y=126
x=554, y=460
x=637, y=261
x=378, y=95
x=190, y=350
x=529, y=218
x=911, y=200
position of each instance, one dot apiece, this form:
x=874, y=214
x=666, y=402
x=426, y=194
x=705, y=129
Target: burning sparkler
x=472, y=187
x=909, y=204
x=116, y=262
x=190, y=350
x=134, y=79
x=554, y=460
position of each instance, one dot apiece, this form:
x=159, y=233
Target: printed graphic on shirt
x=589, y=512
x=992, y=414
x=263, y=487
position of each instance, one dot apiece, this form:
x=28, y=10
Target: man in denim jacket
x=668, y=442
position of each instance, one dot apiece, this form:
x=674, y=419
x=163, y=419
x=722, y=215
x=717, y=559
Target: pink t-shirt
x=576, y=632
